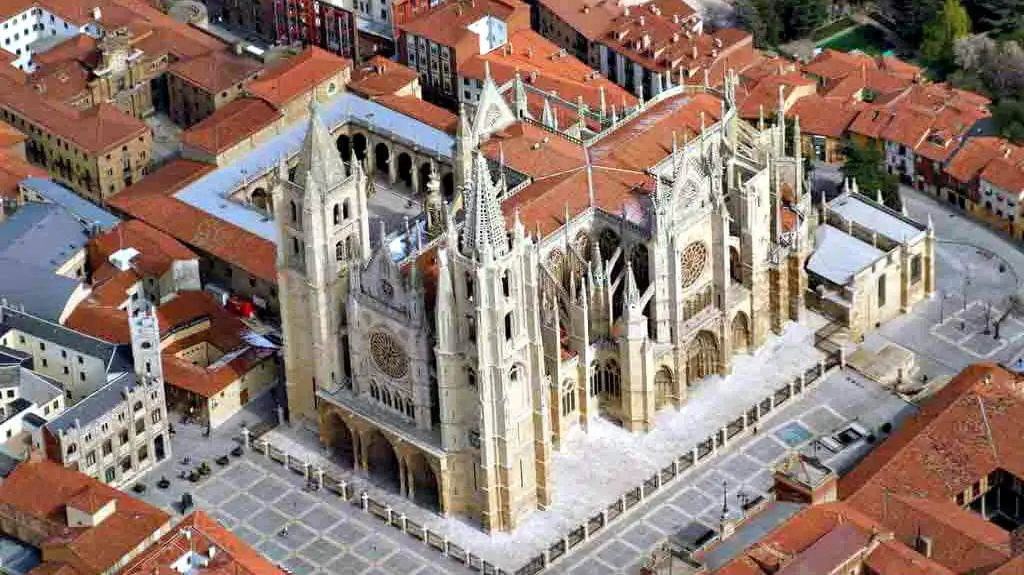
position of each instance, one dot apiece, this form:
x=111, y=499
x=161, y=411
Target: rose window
x=695, y=259
x=388, y=354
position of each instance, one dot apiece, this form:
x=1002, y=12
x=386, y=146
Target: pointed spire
x=485, y=224
x=604, y=103
x=597, y=263
x=548, y=115
x=518, y=229
x=519, y=93
x=798, y=143
x=319, y=168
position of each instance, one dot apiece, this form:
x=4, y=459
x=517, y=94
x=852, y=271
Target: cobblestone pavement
x=743, y=472
x=255, y=499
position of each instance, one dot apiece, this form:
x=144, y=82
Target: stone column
x=246, y=438
x=402, y=483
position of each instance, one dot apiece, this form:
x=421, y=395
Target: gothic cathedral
x=596, y=269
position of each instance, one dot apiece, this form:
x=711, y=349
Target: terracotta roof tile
x=216, y=70
x=151, y=201
x=10, y=137
x=910, y=482
x=592, y=18
x=381, y=77
x=157, y=250
x=1006, y=173
x=834, y=65
x=429, y=114
x=233, y=557
x=447, y=23
x=13, y=170
x=974, y=156
x=824, y=117
x=42, y=490
x=545, y=66
x=230, y=125
x=293, y=77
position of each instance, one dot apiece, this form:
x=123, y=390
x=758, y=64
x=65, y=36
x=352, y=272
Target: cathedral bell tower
x=494, y=413
x=323, y=225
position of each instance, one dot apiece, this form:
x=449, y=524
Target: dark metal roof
x=45, y=235
x=109, y=353
x=41, y=292
x=94, y=406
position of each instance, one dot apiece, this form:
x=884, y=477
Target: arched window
x=339, y=251
x=295, y=212
x=595, y=374
x=386, y=394
x=508, y=326
x=409, y=410
x=611, y=373
x=568, y=398
x=345, y=212
x=374, y=391
x=337, y=214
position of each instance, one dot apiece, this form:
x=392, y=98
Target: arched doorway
x=344, y=144
x=382, y=159
x=339, y=440
x=423, y=487
x=735, y=267
x=664, y=392
x=261, y=200
x=405, y=168
x=448, y=186
x=701, y=357
x=740, y=333
x=359, y=145
x=381, y=461
x=425, y=170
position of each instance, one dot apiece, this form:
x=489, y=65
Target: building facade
x=454, y=368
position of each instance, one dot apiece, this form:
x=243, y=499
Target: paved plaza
x=742, y=472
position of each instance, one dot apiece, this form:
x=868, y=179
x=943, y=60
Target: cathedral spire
x=485, y=224
x=631, y=293
x=519, y=93
x=319, y=164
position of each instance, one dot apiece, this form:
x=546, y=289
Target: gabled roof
x=42, y=234
x=157, y=250
x=233, y=555
x=381, y=77
x=592, y=18
x=295, y=76
x=448, y=23
x=1006, y=173
x=910, y=482
x=215, y=71
x=41, y=292
x=973, y=157
x=230, y=125
x=824, y=117
x=42, y=489
x=114, y=357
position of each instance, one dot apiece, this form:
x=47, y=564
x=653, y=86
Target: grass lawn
x=867, y=39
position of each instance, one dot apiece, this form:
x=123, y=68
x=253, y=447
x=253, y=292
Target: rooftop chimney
x=96, y=14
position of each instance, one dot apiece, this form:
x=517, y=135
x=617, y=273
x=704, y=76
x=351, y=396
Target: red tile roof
x=660, y=45
x=835, y=65
x=152, y=201
x=381, y=77
x=762, y=97
x=215, y=71
x=975, y=155
x=546, y=67
x=447, y=23
x=593, y=18
x=233, y=556
x=820, y=538
x=157, y=250
x=1006, y=173
x=10, y=137
x=429, y=114
x=13, y=170
x=230, y=125
x=910, y=482
x=41, y=490
x=824, y=117
x=295, y=76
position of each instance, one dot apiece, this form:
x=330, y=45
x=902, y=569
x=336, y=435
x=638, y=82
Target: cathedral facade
x=592, y=263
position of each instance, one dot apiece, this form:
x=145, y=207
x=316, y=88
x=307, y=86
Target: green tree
x=1004, y=18
x=748, y=17
x=940, y=35
x=771, y=15
x=803, y=16
x=1009, y=117
x=912, y=15
x=864, y=164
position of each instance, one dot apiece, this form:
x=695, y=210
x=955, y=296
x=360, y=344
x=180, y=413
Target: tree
x=912, y=15
x=803, y=16
x=1009, y=117
x=1004, y=18
x=748, y=17
x=864, y=164
x=940, y=35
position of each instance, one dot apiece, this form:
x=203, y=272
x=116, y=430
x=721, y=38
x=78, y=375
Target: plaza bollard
x=364, y=500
